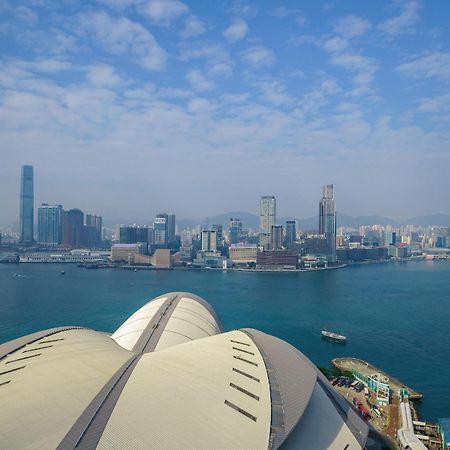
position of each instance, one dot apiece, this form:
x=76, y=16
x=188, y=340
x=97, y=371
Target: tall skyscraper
x=276, y=236
x=209, y=240
x=327, y=221
x=170, y=228
x=26, y=205
x=50, y=224
x=235, y=230
x=291, y=233
x=93, y=230
x=267, y=219
x=160, y=230
x=73, y=228
x=219, y=233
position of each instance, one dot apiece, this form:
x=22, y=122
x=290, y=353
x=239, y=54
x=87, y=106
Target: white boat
x=333, y=336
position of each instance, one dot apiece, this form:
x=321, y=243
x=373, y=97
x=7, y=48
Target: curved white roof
x=168, y=378
x=188, y=316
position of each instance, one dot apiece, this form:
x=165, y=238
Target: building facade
x=209, y=240
x=27, y=205
x=73, y=228
x=291, y=233
x=235, y=230
x=276, y=237
x=50, y=224
x=327, y=221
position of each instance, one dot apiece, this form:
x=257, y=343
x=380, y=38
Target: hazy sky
x=129, y=107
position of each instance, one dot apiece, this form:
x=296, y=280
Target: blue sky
x=130, y=107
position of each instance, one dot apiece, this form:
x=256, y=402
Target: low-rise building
x=241, y=254
x=125, y=252
x=276, y=259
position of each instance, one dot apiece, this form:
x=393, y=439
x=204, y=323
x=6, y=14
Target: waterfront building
x=243, y=253
x=125, y=252
x=128, y=235
x=188, y=385
x=27, y=205
x=291, y=233
x=160, y=231
x=94, y=223
x=219, y=234
x=327, y=221
x=209, y=240
x=72, y=228
x=267, y=219
x=276, y=237
x=161, y=259
x=276, y=259
x=235, y=230
x=50, y=224
x=171, y=225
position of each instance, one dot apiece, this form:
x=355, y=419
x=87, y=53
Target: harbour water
x=394, y=315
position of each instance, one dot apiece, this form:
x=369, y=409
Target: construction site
x=388, y=405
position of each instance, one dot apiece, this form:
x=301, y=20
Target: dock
x=367, y=369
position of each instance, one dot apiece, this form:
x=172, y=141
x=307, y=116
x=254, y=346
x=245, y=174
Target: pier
x=366, y=369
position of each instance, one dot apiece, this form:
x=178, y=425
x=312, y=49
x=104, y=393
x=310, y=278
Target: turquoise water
x=396, y=315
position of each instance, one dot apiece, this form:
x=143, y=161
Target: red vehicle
x=356, y=402
x=363, y=411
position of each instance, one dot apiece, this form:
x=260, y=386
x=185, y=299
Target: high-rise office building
x=276, y=236
x=128, y=235
x=26, y=205
x=327, y=221
x=73, y=228
x=209, y=240
x=93, y=230
x=235, y=230
x=160, y=230
x=267, y=219
x=50, y=224
x=291, y=233
x=219, y=233
x=170, y=228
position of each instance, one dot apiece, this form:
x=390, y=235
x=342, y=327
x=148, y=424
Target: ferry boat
x=333, y=336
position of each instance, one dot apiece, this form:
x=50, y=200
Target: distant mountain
x=250, y=220
x=428, y=220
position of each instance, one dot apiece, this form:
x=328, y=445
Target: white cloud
x=198, y=81
x=335, y=44
x=164, y=11
x=275, y=92
x=221, y=70
x=351, y=26
x=258, y=57
x=193, y=27
x=125, y=37
x=237, y=30
x=216, y=56
x=102, y=75
x=282, y=12
x=363, y=67
x=434, y=65
x=435, y=104
x=408, y=17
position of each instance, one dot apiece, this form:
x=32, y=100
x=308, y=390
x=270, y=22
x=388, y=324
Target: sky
x=130, y=107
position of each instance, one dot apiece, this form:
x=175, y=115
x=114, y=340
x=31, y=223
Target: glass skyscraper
x=26, y=205
x=327, y=221
x=267, y=219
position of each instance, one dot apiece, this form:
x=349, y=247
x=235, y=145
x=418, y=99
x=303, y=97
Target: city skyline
x=188, y=102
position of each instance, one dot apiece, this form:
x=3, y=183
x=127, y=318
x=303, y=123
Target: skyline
x=201, y=108
x=267, y=206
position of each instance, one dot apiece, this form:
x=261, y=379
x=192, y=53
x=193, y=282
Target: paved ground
x=366, y=369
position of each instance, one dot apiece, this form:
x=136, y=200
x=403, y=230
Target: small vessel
x=63, y=272
x=333, y=336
